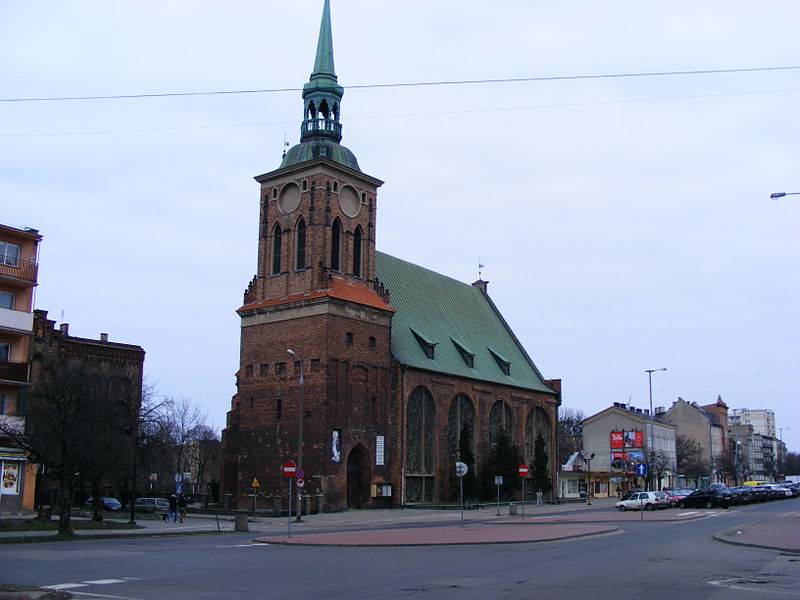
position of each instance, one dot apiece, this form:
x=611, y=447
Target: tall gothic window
x=300, y=245
x=276, y=250
x=420, y=467
x=499, y=418
x=537, y=423
x=357, y=236
x=336, y=244
x=461, y=413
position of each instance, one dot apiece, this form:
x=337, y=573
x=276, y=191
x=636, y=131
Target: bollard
x=240, y=523
x=512, y=509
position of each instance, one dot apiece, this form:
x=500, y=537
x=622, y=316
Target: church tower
x=314, y=294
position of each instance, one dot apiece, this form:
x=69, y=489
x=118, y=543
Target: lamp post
x=589, y=479
x=780, y=448
x=301, y=381
x=650, y=437
x=776, y=195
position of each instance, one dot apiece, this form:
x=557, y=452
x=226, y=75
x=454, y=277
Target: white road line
x=694, y=512
x=104, y=581
x=243, y=545
x=64, y=586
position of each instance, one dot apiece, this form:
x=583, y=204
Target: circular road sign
x=300, y=483
x=288, y=469
x=300, y=474
x=461, y=469
x=523, y=470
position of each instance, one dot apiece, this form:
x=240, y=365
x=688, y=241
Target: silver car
x=644, y=501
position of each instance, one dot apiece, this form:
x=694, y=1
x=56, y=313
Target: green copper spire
x=322, y=94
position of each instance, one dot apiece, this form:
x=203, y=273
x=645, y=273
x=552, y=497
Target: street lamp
x=776, y=195
x=650, y=438
x=780, y=448
x=299, y=519
x=589, y=479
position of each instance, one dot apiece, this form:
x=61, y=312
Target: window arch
x=276, y=249
x=537, y=423
x=336, y=244
x=420, y=467
x=357, y=238
x=461, y=421
x=500, y=418
x=300, y=244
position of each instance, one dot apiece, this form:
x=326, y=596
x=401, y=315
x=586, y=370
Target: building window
x=357, y=236
x=276, y=249
x=5, y=352
x=336, y=244
x=505, y=366
x=428, y=347
x=9, y=254
x=300, y=245
x=248, y=371
x=2, y=403
x=278, y=409
x=348, y=338
x=280, y=368
x=263, y=370
x=7, y=300
x=467, y=356
x=372, y=342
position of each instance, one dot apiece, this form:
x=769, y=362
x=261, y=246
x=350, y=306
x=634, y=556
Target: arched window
x=336, y=244
x=537, y=424
x=357, y=236
x=300, y=245
x=276, y=250
x=499, y=419
x=420, y=467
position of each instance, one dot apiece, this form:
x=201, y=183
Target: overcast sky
x=624, y=223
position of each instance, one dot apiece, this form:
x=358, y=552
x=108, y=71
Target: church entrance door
x=357, y=479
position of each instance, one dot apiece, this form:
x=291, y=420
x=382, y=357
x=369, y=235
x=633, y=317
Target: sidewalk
x=781, y=533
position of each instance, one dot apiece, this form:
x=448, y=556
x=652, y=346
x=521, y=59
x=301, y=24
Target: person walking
x=181, y=506
x=173, y=508
x=539, y=498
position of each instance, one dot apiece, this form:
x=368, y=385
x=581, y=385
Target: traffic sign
x=461, y=469
x=523, y=470
x=288, y=469
x=300, y=483
x=255, y=483
x=300, y=474
x=498, y=480
x=641, y=469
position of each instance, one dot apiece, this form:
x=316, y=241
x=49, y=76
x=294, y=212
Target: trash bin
x=512, y=509
x=240, y=523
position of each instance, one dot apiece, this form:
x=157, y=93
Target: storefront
x=18, y=481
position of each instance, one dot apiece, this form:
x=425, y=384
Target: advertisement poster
x=634, y=439
x=336, y=445
x=616, y=440
x=618, y=459
x=635, y=457
x=10, y=478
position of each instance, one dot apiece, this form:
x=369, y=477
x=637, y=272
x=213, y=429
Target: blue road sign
x=641, y=469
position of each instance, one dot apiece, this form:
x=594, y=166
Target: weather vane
x=480, y=266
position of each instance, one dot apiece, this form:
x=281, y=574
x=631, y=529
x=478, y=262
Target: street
x=650, y=559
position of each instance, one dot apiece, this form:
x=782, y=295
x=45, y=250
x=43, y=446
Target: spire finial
x=322, y=95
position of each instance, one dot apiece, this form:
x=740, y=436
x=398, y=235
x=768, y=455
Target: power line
x=403, y=115
x=417, y=84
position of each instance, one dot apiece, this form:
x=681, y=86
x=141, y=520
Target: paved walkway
x=781, y=532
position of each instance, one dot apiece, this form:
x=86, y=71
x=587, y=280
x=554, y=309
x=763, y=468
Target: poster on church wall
x=616, y=440
x=379, y=450
x=10, y=483
x=336, y=445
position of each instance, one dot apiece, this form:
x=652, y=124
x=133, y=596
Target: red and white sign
x=523, y=470
x=300, y=483
x=289, y=469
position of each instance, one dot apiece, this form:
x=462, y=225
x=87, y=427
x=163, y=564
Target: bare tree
x=691, y=459
x=658, y=463
x=570, y=433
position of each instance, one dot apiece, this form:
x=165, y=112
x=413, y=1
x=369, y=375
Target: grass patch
x=52, y=525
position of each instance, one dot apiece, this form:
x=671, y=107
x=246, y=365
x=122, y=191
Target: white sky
x=624, y=223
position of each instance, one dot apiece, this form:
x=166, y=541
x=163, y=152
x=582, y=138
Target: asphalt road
x=645, y=560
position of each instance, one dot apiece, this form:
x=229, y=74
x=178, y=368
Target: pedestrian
x=539, y=498
x=619, y=492
x=181, y=506
x=173, y=508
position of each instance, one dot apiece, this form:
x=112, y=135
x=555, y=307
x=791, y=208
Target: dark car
x=742, y=494
x=707, y=498
x=106, y=503
x=675, y=495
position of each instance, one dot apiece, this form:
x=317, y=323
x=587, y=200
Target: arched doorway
x=357, y=478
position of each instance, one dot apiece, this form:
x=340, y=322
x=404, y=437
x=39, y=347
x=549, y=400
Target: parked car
x=644, y=500
x=779, y=490
x=106, y=503
x=156, y=506
x=742, y=494
x=675, y=495
x=707, y=498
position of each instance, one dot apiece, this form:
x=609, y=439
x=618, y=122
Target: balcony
x=16, y=320
x=19, y=270
x=13, y=372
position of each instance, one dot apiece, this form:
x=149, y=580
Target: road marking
x=244, y=545
x=104, y=581
x=694, y=512
x=65, y=586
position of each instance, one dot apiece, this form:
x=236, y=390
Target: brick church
x=360, y=367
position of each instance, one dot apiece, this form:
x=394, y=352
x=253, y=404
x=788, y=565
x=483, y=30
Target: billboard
x=633, y=439
x=616, y=440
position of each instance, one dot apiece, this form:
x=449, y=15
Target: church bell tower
x=314, y=293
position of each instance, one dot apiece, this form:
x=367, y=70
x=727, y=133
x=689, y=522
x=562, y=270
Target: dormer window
x=505, y=366
x=467, y=356
x=427, y=347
